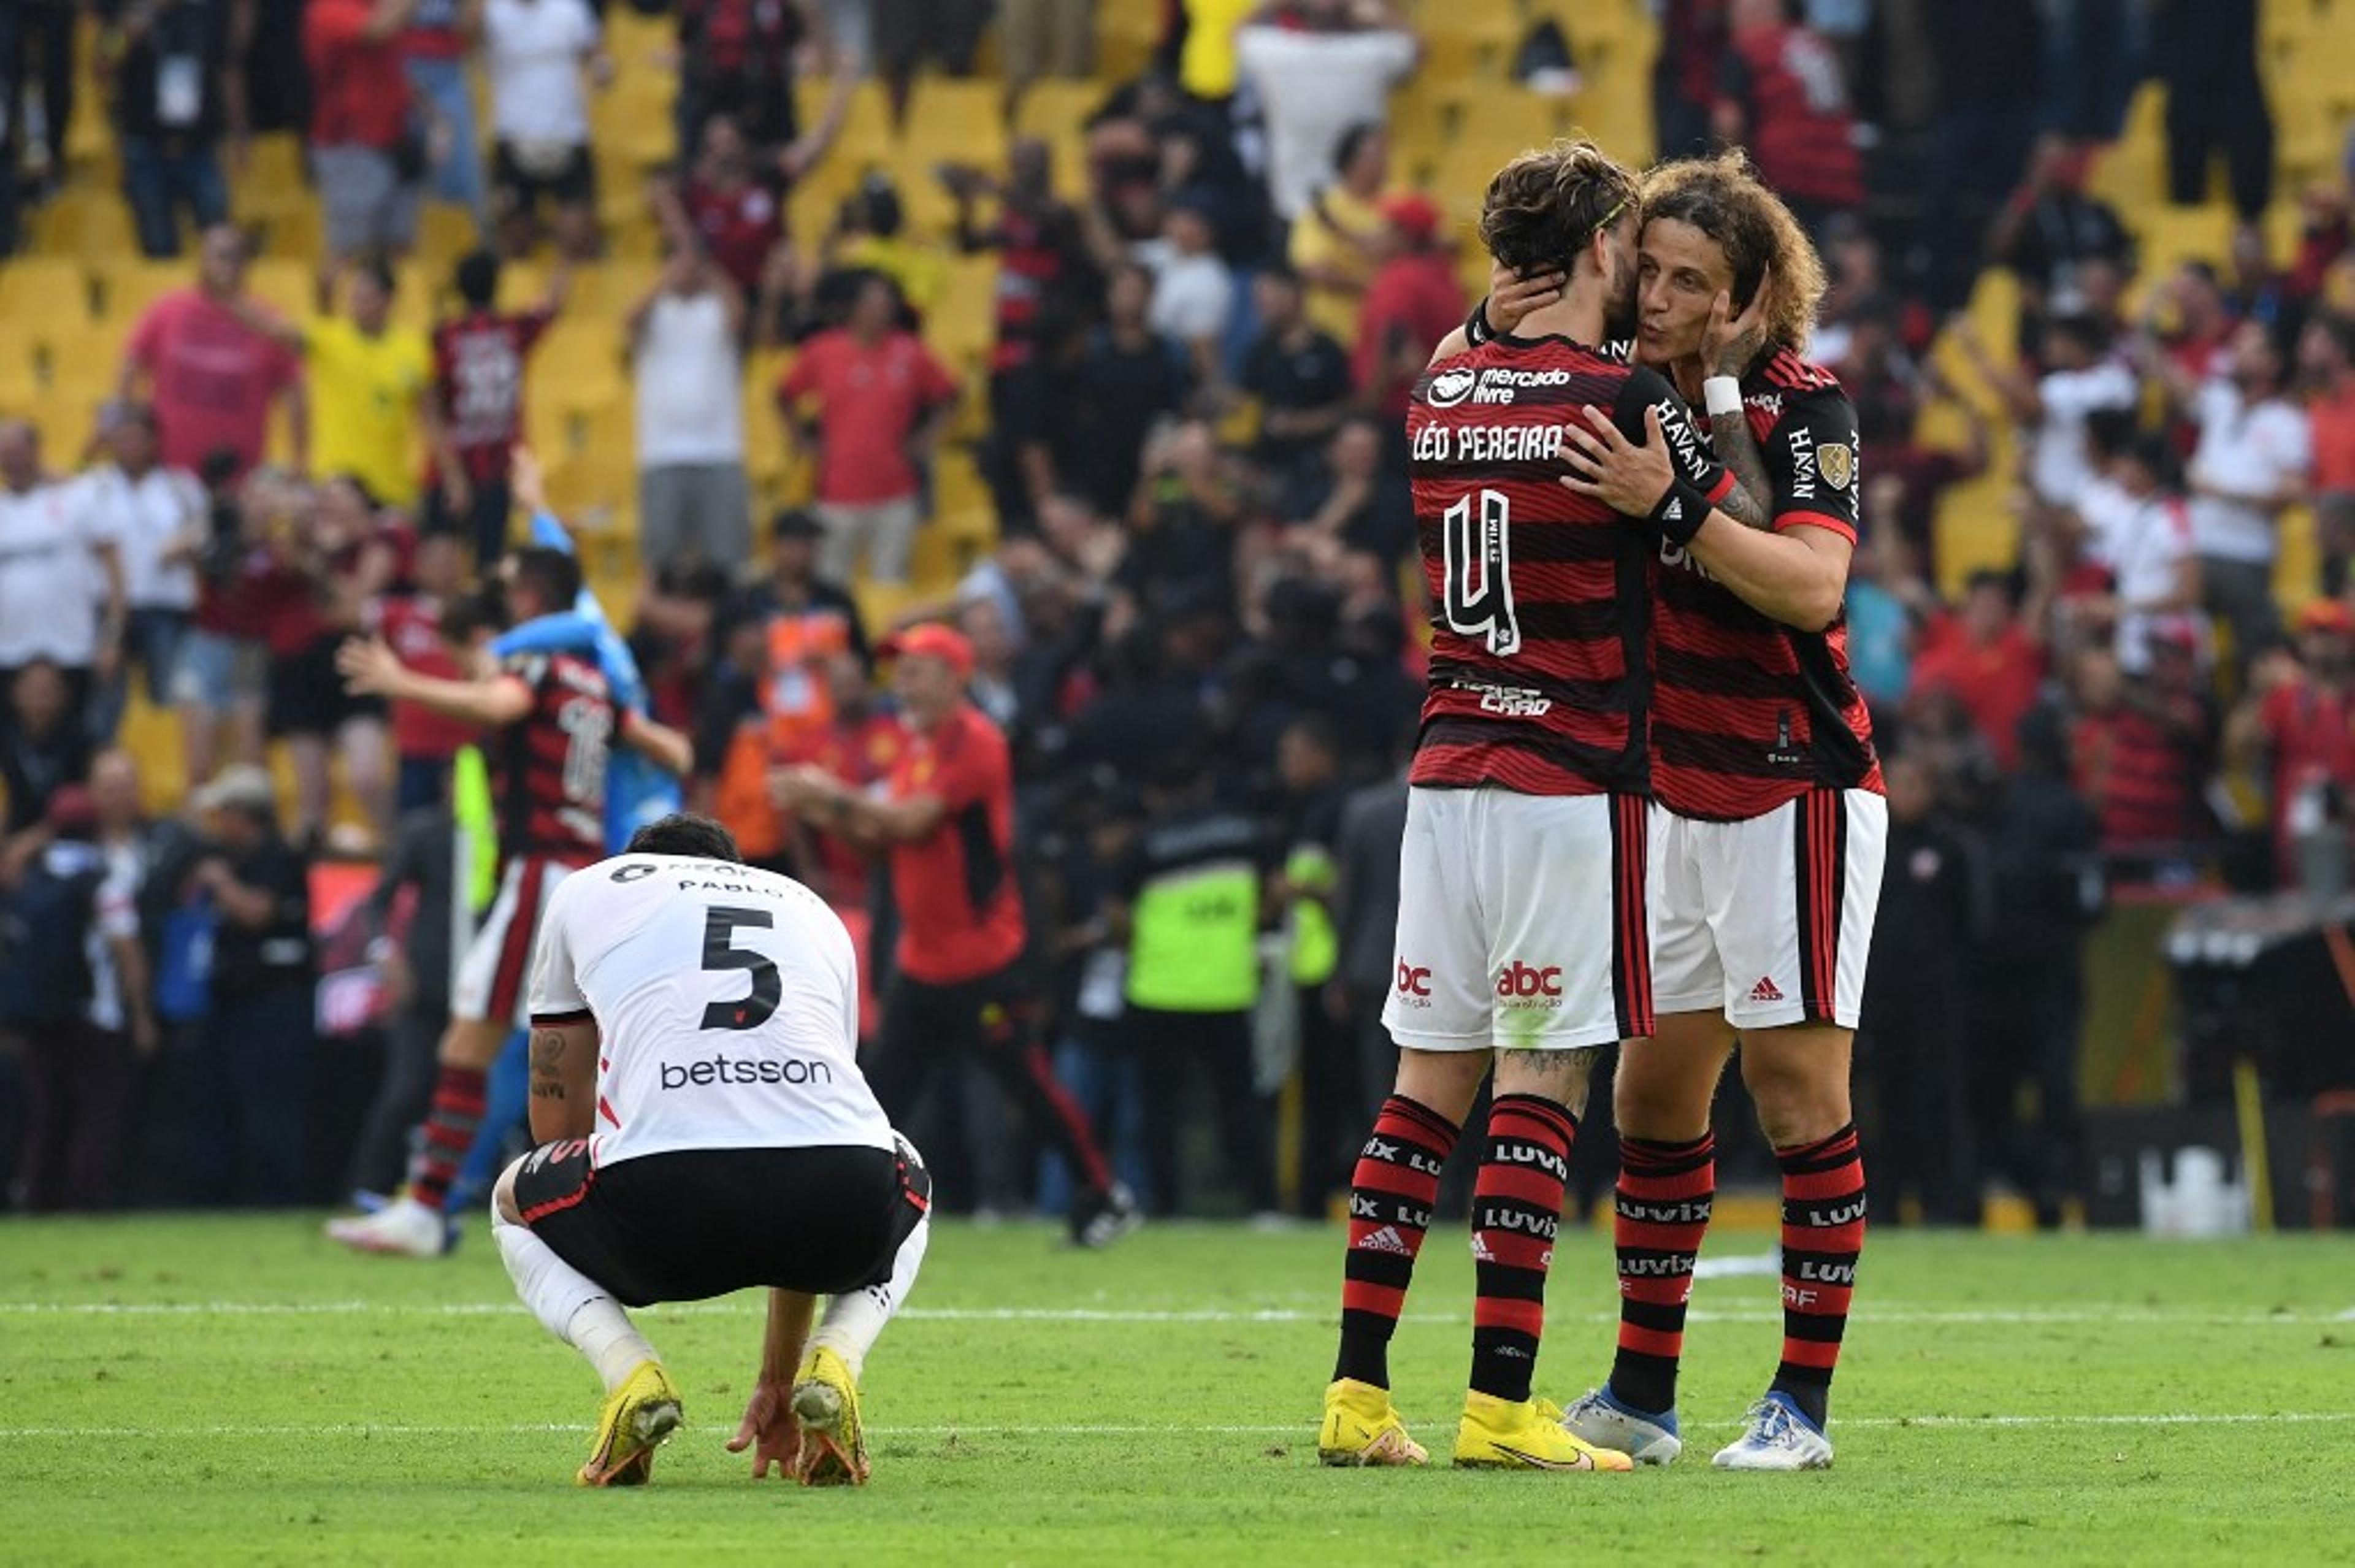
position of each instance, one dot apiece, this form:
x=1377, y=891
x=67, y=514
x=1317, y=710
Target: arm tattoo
x=1753, y=490
x=547, y=1053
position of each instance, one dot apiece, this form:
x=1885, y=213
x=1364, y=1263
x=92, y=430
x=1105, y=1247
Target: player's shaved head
x=686, y=834
x=1544, y=206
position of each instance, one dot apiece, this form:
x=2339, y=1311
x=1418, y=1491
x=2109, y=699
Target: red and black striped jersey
x=549, y=782
x=1538, y=601
x=1747, y=712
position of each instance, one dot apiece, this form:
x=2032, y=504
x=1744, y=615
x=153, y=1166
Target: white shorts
x=1769, y=920
x=493, y=982
x=1520, y=922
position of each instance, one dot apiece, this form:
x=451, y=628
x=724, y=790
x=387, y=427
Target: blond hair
x=1723, y=198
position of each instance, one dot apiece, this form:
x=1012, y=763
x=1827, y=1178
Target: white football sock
x=570, y=1304
x=852, y=1322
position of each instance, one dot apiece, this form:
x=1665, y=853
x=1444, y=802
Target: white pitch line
x=2235, y=1418
x=2061, y=1317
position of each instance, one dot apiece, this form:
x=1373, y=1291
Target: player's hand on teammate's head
x=770, y=1431
x=368, y=665
x=1734, y=339
x=1512, y=296
x=1608, y=467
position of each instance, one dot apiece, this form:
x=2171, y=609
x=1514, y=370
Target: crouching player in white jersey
x=703, y=1128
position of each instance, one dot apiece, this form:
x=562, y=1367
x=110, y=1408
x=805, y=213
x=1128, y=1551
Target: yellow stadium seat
x=444, y=233
x=956, y=119
x=287, y=286
x=126, y=288
x=867, y=127
x=89, y=222
x=964, y=321
x=300, y=231
x=1053, y=110
x=45, y=298
x=579, y=364
x=606, y=291
x=1503, y=120
x=274, y=177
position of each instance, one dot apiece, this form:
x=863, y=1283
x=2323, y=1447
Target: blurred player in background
x=1768, y=822
x=555, y=715
x=703, y=1128
x=1521, y=929
x=959, y=986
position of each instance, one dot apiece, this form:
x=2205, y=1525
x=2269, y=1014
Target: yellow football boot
x=1362, y=1427
x=825, y=1402
x=1505, y=1435
x=639, y=1417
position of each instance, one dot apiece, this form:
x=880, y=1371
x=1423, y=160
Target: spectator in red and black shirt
x=478, y=380
x=946, y=826
x=2142, y=745
x=737, y=59
x=1782, y=92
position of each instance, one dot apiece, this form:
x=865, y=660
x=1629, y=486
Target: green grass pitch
x=239, y=1390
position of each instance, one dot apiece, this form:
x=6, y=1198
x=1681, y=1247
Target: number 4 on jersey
x=1478, y=568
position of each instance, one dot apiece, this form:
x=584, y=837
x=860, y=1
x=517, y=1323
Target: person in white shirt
x=155, y=518
x=688, y=373
x=2082, y=379
x=2138, y=530
x=2255, y=451
x=704, y=1127
x=1193, y=291
x=61, y=597
x=537, y=53
x=1332, y=69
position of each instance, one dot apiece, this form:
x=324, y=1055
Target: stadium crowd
x=1198, y=626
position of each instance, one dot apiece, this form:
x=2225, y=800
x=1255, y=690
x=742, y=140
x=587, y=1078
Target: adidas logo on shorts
x=1764, y=991
x=1386, y=1240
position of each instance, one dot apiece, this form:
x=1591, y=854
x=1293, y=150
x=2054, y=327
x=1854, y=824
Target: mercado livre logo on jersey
x=1450, y=388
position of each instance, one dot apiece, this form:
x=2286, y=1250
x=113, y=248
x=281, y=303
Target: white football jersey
x=727, y=1005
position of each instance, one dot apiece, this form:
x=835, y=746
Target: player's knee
x=1446, y=1081
x=1798, y=1100
x=504, y=1208
x=1658, y=1099
x=1560, y=1076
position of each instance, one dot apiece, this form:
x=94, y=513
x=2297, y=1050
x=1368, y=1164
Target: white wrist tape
x=1721, y=395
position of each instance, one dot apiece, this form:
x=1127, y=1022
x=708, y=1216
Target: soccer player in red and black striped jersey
x=1522, y=936
x=555, y=717
x=1768, y=823
x=478, y=378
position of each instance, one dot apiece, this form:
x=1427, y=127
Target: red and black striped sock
x=1660, y=1215
x=449, y=1133
x=1822, y=1231
x=1390, y=1195
x=1516, y=1212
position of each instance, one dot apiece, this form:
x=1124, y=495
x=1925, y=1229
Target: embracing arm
x=372, y=669
x=1798, y=576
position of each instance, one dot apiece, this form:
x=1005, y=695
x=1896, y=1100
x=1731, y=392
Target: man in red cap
x=2298, y=723
x=947, y=823
x=1412, y=301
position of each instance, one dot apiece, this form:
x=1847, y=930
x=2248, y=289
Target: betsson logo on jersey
x=726, y=1070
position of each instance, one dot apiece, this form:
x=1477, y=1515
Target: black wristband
x=1477, y=329
x=1680, y=512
